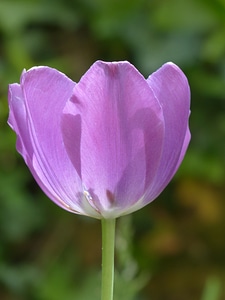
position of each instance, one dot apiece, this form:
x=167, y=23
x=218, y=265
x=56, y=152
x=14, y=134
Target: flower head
x=107, y=145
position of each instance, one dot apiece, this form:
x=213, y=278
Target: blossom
x=107, y=145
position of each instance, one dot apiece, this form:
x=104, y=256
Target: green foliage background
x=174, y=248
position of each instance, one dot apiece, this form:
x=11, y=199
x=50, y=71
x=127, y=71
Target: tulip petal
x=122, y=133
x=42, y=95
x=18, y=121
x=171, y=88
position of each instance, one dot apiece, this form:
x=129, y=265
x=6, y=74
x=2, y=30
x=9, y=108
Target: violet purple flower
x=107, y=145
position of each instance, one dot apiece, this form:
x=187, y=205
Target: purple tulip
x=107, y=145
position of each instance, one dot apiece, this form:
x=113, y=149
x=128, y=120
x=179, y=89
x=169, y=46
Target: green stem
x=108, y=244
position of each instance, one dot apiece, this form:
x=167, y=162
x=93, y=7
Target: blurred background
x=173, y=249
